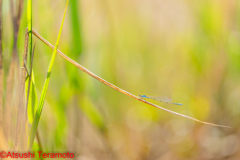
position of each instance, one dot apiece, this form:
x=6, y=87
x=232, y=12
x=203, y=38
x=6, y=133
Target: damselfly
x=161, y=99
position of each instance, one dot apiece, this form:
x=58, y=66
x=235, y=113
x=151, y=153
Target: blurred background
x=184, y=49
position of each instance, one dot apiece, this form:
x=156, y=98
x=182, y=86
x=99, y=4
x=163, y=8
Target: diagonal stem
x=21, y=93
x=115, y=87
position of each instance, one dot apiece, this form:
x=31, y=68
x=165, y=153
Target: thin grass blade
x=32, y=100
x=32, y=103
x=1, y=69
x=44, y=90
x=92, y=113
x=29, y=22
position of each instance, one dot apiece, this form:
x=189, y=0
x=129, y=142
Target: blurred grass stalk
x=87, y=107
x=20, y=114
x=29, y=22
x=1, y=70
x=75, y=82
x=44, y=90
x=30, y=90
x=13, y=66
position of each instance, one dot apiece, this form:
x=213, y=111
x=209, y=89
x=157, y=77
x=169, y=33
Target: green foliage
x=92, y=113
x=29, y=22
x=77, y=45
x=187, y=50
x=44, y=90
x=33, y=99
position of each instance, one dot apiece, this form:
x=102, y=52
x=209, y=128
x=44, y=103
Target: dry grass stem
x=13, y=66
x=21, y=94
x=115, y=87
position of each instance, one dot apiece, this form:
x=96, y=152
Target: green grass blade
x=76, y=44
x=92, y=113
x=32, y=104
x=33, y=99
x=44, y=91
x=29, y=22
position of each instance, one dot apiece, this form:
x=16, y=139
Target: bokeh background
x=185, y=49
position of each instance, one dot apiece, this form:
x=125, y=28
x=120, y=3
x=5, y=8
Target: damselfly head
x=143, y=96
